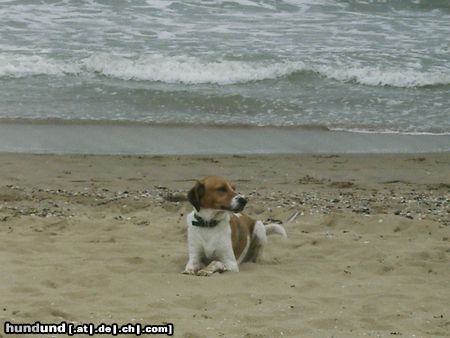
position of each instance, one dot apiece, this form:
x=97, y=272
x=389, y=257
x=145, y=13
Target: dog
x=219, y=235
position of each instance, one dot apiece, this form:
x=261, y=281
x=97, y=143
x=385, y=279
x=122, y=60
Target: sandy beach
x=103, y=239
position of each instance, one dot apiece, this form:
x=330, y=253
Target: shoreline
x=49, y=138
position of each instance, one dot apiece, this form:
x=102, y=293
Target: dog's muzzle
x=238, y=203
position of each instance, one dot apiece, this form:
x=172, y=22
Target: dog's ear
x=195, y=194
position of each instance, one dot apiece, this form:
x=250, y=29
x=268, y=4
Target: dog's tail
x=278, y=229
x=275, y=229
x=260, y=233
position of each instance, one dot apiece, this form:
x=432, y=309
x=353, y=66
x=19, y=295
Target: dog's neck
x=211, y=215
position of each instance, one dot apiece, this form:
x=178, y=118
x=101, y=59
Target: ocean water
x=369, y=66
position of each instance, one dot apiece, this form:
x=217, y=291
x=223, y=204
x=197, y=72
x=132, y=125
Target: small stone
x=175, y=197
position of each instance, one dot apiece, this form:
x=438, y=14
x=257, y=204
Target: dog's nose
x=242, y=200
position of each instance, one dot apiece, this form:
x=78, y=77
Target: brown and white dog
x=219, y=236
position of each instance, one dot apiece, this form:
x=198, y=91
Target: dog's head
x=214, y=192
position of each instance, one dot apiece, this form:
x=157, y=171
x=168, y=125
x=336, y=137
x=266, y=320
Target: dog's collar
x=202, y=223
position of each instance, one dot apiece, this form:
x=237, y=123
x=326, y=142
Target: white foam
x=188, y=70
x=191, y=70
x=17, y=66
x=388, y=131
x=159, y=4
x=247, y=3
x=372, y=76
x=164, y=35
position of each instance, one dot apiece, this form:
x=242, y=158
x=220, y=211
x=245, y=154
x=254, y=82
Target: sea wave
x=188, y=70
x=359, y=130
x=18, y=66
x=155, y=68
x=145, y=123
x=191, y=70
x=375, y=76
x=319, y=127
x=396, y=5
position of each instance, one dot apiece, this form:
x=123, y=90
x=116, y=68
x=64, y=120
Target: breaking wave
x=372, y=76
x=191, y=70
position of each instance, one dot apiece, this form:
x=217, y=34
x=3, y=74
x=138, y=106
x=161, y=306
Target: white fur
x=260, y=232
x=274, y=228
x=210, y=243
x=214, y=244
x=235, y=201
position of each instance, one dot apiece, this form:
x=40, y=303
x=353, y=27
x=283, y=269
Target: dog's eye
x=222, y=189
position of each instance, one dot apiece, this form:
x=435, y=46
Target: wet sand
x=96, y=137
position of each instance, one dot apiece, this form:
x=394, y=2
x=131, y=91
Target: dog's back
x=248, y=236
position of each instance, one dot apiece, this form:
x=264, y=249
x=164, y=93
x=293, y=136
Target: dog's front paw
x=205, y=273
x=192, y=272
x=214, y=266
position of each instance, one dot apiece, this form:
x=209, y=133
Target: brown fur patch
x=241, y=232
x=218, y=193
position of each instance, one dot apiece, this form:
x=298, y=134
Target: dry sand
x=102, y=239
